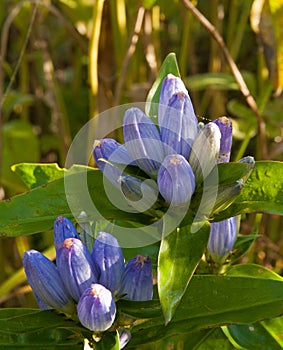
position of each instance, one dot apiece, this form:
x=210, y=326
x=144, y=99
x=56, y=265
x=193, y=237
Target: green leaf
x=34, y=329
x=264, y=335
x=263, y=192
x=169, y=65
x=215, y=340
x=212, y=301
x=253, y=270
x=36, y=210
x=255, y=336
x=37, y=174
x=179, y=255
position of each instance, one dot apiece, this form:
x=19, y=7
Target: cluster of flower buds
x=87, y=282
x=177, y=155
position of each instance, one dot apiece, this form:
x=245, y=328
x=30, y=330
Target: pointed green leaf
x=179, y=255
x=253, y=270
x=263, y=192
x=169, y=65
x=212, y=301
x=36, y=210
x=34, y=329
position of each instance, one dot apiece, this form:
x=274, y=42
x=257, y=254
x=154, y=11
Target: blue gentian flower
x=222, y=238
x=63, y=228
x=147, y=146
x=46, y=283
x=108, y=257
x=225, y=127
x=142, y=141
x=75, y=266
x=205, y=151
x=96, y=308
x=176, y=180
x=137, y=280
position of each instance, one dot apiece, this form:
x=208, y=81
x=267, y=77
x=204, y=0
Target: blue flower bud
x=75, y=266
x=111, y=150
x=222, y=238
x=96, y=308
x=176, y=181
x=141, y=195
x=108, y=257
x=205, y=151
x=142, y=141
x=124, y=337
x=63, y=228
x=171, y=85
x=137, y=280
x=45, y=281
x=225, y=127
x=178, y=125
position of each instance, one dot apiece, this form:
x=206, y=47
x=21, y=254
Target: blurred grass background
x=65, y=61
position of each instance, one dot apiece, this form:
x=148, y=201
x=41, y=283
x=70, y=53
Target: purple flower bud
x=225, y=127
x=176, y=180
x=111, y=150
x=109, y=258
x=222, y=238
x=141, y=195
x=124, y=337
x=63, y=228
x=205, y=151
x=45, y=281
x=137, y=280
x=178, y=125
x=142, y=141
x=171, y=85
x=96, y=308
x=75, y=266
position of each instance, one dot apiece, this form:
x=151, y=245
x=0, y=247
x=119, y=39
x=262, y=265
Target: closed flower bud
x=108, y=257
x=176, y=181
x=178, y=125
x=106, y=151
x=205, y=151
x=63, y=228
x=171, y=85
x=141, y=195
x=45, y=281
x=75, y=266
x=142, y=141
x=137, y=281
x=222, y=238
x=225, y=127
x=96, y=308
x=111, y=150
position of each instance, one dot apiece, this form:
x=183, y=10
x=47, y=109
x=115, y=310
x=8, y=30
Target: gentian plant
x=158, y=262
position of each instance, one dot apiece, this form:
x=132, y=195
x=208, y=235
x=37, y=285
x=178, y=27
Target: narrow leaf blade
x=179, y=255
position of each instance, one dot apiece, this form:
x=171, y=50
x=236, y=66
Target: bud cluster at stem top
x=177, y=154
x=87, y=282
